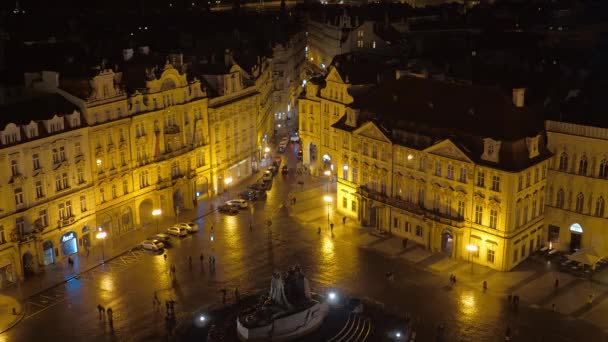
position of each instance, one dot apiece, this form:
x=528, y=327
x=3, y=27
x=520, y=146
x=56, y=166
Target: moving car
x=177, y=231
x=239, y=203
x=300, y=155
x=190, y=227
x=285, y=170
x=228, y=209
x=295, y=138
x=152, y=245
x=256, y=187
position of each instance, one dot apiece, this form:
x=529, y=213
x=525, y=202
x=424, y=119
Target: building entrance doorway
x=575, y=242
x=447, y=242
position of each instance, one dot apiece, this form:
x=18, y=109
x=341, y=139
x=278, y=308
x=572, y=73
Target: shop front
x=69, y=243
x=7, y=275
x=48, y=252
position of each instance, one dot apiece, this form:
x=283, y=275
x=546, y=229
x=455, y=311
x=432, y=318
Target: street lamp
x=101, y=235
x=327, y=200
x=328, y=174
x=267, y=150
x=156, y=213
x=227, y=181
x=472, y=249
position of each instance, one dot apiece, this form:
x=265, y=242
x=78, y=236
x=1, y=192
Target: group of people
x=109, y=314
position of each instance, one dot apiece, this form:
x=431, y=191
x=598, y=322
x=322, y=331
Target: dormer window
x=491, y=150
x=532, y=144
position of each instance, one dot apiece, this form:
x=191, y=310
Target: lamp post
x=328, y=174
x=227, y=181
x=101, y=235
x=472, y=249
x=327, y=200
x=156, y=213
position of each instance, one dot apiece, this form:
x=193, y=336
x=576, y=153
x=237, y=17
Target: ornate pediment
x=447, y=149
x=370, y=130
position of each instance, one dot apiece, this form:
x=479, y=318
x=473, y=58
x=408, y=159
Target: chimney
x=127, y=54
x=227, y=58
x=144, y=50
x=518, y=97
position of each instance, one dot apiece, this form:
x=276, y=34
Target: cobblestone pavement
x=350, y=259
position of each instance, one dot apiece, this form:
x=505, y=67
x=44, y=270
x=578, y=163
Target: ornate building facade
x=577, y=187
x=429, y=162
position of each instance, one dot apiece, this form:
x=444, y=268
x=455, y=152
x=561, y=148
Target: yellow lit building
x=458, y=169
x=577, y=187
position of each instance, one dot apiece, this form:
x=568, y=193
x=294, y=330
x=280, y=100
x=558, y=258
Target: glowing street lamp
x=228, y=181
x=267, y=149
x=156, y=213
x=101, y=235
x=472, y=249
x=328, y=174
x=328, y=200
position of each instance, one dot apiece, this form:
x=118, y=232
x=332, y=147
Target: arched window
x=603, y=169
x=599, y=207
x=580, y=202
x=563, y=162
x=559, y=200
x=582, y=166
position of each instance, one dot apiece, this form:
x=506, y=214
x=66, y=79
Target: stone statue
x=277, y=291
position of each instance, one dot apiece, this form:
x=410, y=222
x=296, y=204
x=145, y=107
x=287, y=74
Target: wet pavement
x=246, y=259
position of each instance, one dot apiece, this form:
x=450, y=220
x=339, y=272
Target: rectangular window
x=463, y=175
x=102, y=195
x=478, y=214
x=36, y=161
x=481, y=179
x=365, y=149
x=527, y=179
x=80, y=173
x=536, y=175
x=55, y=156
x=523, y=251
x=114, y=191
x=520, y=182
x=344, y=202
x=353, y=206
x=39, y=190
x=419, y=231
x=64, y=180
x=43, y=218
x=517, y=217
x=20, y=224
x=408, y=227
x=493, y=218
x=491, y=254
x=355, y=175
x=14, y=167
x=83, y=203
x=438, y=169
x=345, y=172
x=461, y=209
x=374, y=151
x=544, y=172
x=450, y=172
x=534, y=209
x=18, y=196
x=515, y=255
x=495, y=183
x=123, y=158
x=395, y=222
x=541, y=207
x=436, y=201
x=62, y=153
x=421, y=197
x=125, y=186
x=525, y=214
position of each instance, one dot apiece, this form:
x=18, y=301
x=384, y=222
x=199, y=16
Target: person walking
x=165, y=256
x=211, y=229
x=101, y=311
x=556, y=284
x=110, y=317
x=405, y=243
x=590, y=299
x=485, y=286
x=71, y=262
x=189, y=262
x=173, y=271
x=250, y=227
x=343, y=220
x=508, y=334
x=319, y=230
x=331, y=227
x=202, y=258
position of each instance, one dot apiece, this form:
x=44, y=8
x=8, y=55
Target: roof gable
x=447, y=149
x=372, y=131
x=334, y=76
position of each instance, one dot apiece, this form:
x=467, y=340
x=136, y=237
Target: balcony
x=172, y=129
x=431, y=214
x=66, y=221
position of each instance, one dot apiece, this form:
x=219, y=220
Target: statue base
x=288, y=325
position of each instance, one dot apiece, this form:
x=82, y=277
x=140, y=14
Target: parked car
x=228, y=209
x=190, y=227
x=256, y=187
x=267, y=177
x=239, y=203
x=249, y=195
x=164, y=238
x=267, y=184
x=273, y=169
x=152, y=245
x=177, y=231
x=300, y=155
x=285, y=170
x=295, y=138
x=282, y=148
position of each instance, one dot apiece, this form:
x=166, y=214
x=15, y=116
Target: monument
x=288, y=311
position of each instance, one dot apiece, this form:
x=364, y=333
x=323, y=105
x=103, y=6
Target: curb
x=15, y=322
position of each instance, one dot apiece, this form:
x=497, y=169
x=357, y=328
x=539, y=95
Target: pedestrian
x=294, y=200
x=70, y=262
x=212, y=229
x=590, y=299
x=556, y=283
x=236, y=295
x=510, y=298
x=172, y=270
x=224, y=296
x=453, y=280
x=202, y=257
x=343, y=220
x=110, y=315
x=319, y=230
x=515, y=301
x=485, y=286
x=508, y=334
x=168, y=310
x=553, y=307
x=88, y=250
x=214, y=262
x=101, y=310
x=250, y=227
x=165, y=256
x=331, y=227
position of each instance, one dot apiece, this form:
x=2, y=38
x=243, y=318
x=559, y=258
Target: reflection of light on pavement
x=106, y=283
x=467, y=304
x=327, y=249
